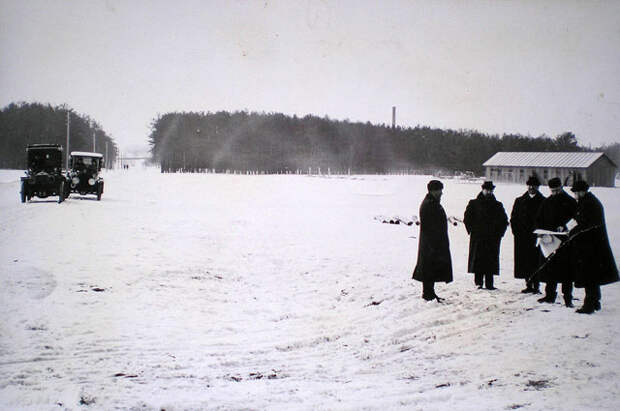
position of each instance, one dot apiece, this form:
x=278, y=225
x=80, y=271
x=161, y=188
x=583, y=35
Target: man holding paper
x=555, y=211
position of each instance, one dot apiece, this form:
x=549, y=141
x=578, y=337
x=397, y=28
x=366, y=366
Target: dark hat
x=488, y=185
x=579, y=185
x=555, y=182
x=434, y=185
x=533, y=181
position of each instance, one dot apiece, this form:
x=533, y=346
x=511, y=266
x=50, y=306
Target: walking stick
x=554, y=254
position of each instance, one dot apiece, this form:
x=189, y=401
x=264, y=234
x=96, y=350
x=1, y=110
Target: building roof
x=85, y=154
x=544, y=159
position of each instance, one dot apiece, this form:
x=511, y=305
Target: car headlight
x=91, y=181
x=75, y=180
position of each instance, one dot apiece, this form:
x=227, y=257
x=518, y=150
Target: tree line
x=277, y=143
x=22, y=124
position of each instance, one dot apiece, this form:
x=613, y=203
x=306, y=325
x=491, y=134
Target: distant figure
x=591, y=255
x=527, y=256
x=434, y=262
x=486, y=222
x=555, y=211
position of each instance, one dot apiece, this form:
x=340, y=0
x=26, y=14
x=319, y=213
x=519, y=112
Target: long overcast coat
x=486, y=222
x=527, y=256
x=591, y=255
x=555, y=211
x=434, y=260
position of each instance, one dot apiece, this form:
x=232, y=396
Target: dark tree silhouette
x=275, y=143
x=31, y=123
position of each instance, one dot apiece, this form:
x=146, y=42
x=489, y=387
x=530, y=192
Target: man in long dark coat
x=486, y=222
x=555, y=211
x=527, y=256
x=434, y=261
x=591, y=256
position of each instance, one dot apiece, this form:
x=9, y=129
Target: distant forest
x=33, y=123
x=275, y=143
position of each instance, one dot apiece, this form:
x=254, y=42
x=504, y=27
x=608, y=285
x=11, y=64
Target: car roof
x=85, y=154
x=43, y=147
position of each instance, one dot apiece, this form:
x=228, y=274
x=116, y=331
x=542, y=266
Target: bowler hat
x=488, y=185
x=580, y=185
x=555, y=182
x=434, y=185
x=533, y=181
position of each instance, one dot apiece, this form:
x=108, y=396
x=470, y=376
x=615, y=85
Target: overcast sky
x=528, y=67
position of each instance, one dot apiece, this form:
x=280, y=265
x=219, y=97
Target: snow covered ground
x=187, y=291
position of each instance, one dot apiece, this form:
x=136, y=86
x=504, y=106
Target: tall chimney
x=393, y=117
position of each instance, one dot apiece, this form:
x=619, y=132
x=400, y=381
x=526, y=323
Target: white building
x=595, y=168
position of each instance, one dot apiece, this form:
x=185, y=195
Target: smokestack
x=393, y=117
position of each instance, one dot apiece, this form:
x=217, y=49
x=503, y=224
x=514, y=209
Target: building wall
x=599, y=174
x=602, y=174
x=521, y=174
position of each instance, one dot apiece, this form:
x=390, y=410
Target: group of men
x=582, y=257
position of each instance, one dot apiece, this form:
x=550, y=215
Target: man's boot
x=596, y=297
x=478, y=280
x=587, y=308
x=548, y=298
x=488, y=279
x=530, y=288
x=568, y=301
x=428, y=290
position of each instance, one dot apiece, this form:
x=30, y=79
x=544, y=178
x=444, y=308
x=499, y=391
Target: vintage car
x=44, y=174
x=83, y=175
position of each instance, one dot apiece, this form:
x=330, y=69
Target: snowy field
x=181, y=291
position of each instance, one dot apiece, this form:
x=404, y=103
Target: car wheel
x=61, y=192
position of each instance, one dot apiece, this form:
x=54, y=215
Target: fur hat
x=555, y=182
x=533, y=181
x=434, y=185
x=488, y=185
x=580, y=185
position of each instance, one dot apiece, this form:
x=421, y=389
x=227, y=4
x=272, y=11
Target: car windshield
x=39, y=160
x=84, y=162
